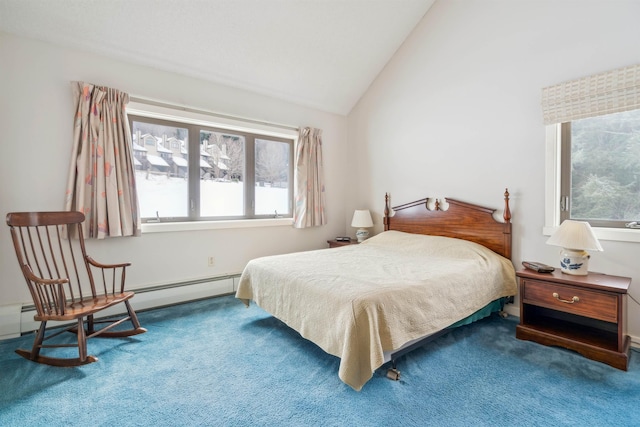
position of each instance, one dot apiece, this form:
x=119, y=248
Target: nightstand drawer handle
x=574, y=299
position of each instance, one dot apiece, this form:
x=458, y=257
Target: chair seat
x=88, y=306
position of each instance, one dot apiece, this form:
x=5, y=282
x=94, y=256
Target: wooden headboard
x=461, y=220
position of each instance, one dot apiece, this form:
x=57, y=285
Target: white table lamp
x=575, y=238
x=362, y=220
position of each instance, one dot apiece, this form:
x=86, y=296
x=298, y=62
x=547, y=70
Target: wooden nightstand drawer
x=571, y=299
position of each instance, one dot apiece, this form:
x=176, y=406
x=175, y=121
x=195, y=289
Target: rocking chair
x=60, y=275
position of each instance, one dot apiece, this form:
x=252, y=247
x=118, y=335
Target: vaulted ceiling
x=318, y=53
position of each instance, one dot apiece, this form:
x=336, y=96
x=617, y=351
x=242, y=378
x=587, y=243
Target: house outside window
x=193, y=172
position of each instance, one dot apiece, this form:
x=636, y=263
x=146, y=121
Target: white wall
x=457, y=111
x=36, y=117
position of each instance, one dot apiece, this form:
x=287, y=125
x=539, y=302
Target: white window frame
x=159, y=110
x=553, y=195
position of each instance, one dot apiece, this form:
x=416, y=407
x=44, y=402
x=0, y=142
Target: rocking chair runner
x=60, y=275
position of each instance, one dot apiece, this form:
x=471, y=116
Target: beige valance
x=605, y=93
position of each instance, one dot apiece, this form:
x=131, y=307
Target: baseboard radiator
x=17, y=319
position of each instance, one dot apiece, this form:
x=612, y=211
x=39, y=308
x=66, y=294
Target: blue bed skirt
x=486, y=311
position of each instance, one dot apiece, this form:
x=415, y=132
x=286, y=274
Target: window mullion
x=250, y=180
x=194, y=172
x=565, y=171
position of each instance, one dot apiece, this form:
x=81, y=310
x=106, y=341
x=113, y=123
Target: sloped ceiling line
x=322, y=54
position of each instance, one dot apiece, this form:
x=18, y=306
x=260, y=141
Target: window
x=192, y=172
x=600, y=169
x=593, y=152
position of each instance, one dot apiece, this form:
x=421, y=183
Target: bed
x=438, y=263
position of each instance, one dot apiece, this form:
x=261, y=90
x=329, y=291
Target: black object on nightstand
x=538, y=266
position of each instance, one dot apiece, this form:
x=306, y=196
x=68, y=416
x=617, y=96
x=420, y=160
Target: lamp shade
x=575, y=235
x=362, y=219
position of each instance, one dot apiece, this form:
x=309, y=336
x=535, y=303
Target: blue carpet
x=216, y=363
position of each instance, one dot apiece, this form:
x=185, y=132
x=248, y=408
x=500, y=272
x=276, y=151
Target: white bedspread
x=357, y=301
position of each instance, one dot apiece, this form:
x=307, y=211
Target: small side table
x=337, y=243
x=586, y=314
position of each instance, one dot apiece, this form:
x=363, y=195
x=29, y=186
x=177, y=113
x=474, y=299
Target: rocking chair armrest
x=54, y=286
x=40, y=280
x=117, y=273
x=95, y=263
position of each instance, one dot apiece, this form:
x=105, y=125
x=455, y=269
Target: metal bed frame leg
x=392, y=372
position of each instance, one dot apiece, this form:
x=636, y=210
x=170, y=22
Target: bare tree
x=233, y=147
x=272, y=158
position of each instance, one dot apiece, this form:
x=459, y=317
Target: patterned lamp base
x=362, y=234
x=574, y=262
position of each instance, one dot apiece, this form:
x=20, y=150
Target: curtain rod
x=157, y=103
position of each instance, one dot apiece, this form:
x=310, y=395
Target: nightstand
x=337, y=243
x=586, y=314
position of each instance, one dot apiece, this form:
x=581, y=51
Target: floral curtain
x=101, y=177
x=309, y=181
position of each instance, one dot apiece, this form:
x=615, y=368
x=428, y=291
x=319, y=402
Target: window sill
x=615, y=234
x=170, y=227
